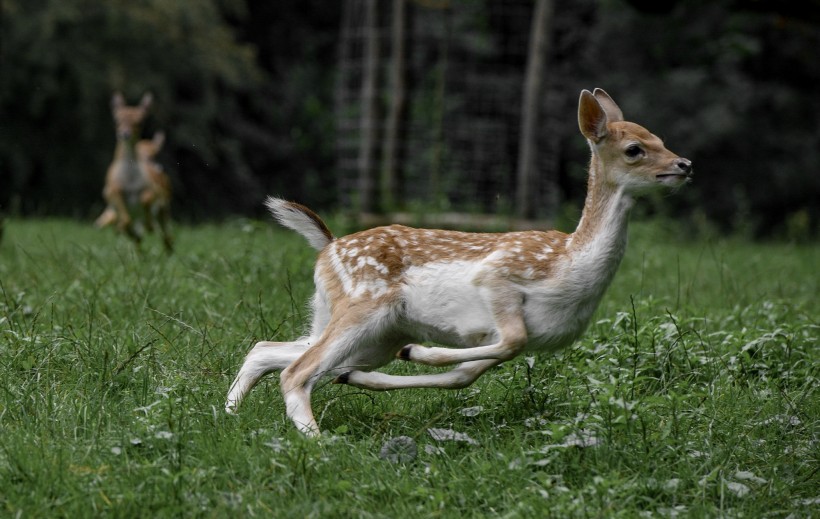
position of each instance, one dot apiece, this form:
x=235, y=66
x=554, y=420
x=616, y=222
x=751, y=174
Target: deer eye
x=633, y=151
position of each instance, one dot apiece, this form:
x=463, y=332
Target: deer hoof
x=404, y=353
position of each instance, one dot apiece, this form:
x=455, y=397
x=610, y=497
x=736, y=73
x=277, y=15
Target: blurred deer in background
x=135, y=183
x=490, y=296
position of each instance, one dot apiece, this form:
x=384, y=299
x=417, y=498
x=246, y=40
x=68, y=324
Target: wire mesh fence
x=429, y=102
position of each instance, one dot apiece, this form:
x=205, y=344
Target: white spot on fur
x=340, y=270
x=360, y=262
x=375, y=264
x=497, y=255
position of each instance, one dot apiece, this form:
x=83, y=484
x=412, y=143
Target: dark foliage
x=244, y=91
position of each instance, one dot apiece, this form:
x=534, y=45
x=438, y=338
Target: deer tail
x=302, y=220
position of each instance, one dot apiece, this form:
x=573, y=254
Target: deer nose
x=685, y=165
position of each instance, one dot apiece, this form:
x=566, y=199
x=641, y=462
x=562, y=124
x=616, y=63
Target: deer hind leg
x=263, y=358
x=266, y=356
x=349, y=343
x=298, y=379
x=459, y=377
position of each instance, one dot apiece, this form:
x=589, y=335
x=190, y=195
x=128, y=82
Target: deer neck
x=598, y=244
x=126, y=149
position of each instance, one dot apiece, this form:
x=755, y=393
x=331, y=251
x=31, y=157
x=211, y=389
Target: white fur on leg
x=297, y=405
x=459, y=377
x=340, y=349
x=263, y=358
x=513, y=338
x=435, y=356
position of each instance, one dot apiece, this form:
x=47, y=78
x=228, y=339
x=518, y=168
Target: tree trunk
x=395, y=125
x=369, y=120
x=526, y=185
x=437, y=195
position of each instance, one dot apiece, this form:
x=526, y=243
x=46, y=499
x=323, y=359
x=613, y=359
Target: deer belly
x=441, y=304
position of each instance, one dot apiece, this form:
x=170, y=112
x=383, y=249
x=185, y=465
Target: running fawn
x=488, y=296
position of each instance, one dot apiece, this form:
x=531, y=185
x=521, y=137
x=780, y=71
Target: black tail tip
x=343, y=378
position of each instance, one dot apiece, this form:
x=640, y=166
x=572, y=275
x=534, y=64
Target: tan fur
x=488, y=297
x=395, y=248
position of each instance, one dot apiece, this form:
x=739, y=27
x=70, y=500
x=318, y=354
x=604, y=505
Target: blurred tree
x=296, y=42
x=732, y=84
x=61, y=60
x=244, y=91
x=538, y=53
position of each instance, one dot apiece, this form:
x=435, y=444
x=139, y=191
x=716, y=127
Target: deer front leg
x=508, y=314
x=459, y=377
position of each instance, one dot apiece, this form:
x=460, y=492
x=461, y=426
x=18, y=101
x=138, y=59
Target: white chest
x=130, y=175
x=558, y=310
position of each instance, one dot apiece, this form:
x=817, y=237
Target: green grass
x=695, y=389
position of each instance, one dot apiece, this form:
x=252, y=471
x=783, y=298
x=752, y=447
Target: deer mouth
x=674, y=178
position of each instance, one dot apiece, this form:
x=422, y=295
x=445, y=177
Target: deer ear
x=592, y=119
x=613, y=113
x=117, y=100
x=147, y=99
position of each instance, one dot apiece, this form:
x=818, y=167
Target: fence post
x=368, y=150
x=395, y=123
x=538, y=53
